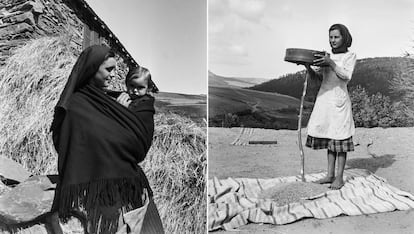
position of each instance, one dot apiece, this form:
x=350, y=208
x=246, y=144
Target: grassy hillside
x=373, y=74
x=221, y=81
x=191, y=106
x=243, y=107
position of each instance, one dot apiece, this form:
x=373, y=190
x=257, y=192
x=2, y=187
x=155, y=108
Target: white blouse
x=332, y=113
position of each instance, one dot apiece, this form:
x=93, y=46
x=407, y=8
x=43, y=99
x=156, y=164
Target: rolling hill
x=234, y=106
x=373, y=74
x=192, y=106
x=275, y=103
x=222, y=81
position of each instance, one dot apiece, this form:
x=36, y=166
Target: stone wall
x=21, y=20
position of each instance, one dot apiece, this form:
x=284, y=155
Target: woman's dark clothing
x=99, y=144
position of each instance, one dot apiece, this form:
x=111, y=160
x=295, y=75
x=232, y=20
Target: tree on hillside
x=402, y=84
x=377, y=110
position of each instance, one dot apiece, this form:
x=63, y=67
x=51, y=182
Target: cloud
x=230, y=23
x=251, y=10
x=217, y=8
x=233, y=50
x=238, y=50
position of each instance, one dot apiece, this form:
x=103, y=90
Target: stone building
x=22, y=20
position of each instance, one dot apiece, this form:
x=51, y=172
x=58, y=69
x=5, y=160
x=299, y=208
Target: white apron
x=332, y=114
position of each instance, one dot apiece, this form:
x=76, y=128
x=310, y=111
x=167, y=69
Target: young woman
x=331, y=125
x=100, y=143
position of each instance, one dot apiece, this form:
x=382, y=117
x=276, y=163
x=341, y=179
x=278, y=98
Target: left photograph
x=103, y=119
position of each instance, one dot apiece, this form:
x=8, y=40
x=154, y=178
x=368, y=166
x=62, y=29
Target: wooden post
x=302, y=154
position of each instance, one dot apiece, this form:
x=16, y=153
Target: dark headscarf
x=84, y=69
x=346, y=38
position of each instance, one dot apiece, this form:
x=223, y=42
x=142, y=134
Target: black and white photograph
x=310, y=116
x=206, y=116
x=103, y=116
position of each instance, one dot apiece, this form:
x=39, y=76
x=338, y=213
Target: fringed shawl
x=99, y=144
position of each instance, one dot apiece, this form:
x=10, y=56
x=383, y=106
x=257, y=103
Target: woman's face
x=335, y=38
x=104, y=74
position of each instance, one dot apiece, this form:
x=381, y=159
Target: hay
x=286, y=193
x=176, y=167
x=30, y=85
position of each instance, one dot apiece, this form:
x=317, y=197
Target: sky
x=248, y=38
x=169, y=37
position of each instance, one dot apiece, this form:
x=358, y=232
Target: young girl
x=331, y=125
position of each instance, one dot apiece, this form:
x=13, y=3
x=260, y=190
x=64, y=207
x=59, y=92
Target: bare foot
x=338, y=183
x=325, y=180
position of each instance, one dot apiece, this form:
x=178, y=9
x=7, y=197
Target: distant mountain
x=221, y=81
x=374, y=74
x=192, y=106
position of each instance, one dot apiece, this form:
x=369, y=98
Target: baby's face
x=138, y=86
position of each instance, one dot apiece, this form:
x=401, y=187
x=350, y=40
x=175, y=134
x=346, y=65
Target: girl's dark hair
x=346, y=37
x=141, y=71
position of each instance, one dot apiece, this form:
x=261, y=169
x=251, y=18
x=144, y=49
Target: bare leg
x=331, y=169
x=339, y=179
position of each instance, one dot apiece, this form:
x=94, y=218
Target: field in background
x=191, y=106
x=234, y=106
x=221, y=81
x=381, y=90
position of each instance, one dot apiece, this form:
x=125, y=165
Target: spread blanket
x=235, y=202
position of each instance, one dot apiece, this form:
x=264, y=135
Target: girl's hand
x=323, y=60
x=124, y=99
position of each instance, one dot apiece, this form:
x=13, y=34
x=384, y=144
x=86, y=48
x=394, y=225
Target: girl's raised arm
x=345, y=71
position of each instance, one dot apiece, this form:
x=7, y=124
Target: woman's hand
x=323, y=60
x=124, y=99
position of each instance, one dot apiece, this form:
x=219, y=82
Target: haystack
x=176, y=165
x=30, y=84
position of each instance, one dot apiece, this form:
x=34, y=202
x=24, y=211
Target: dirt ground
x=389, y=153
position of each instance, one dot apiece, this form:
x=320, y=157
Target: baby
x=140, y=88
x=138, y=82
x=139, y=97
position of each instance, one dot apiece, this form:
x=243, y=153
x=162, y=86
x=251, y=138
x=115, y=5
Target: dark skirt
x=316, y=143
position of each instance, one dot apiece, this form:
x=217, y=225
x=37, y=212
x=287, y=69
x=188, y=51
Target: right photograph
x=310, y=116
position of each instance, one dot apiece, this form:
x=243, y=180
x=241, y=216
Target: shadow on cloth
x=372, y=164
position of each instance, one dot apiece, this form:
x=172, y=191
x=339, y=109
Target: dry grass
x=176, y=164
x=30, y=85
x=293, y=192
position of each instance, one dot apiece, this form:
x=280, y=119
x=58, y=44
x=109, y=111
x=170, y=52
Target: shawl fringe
x=101, y=201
